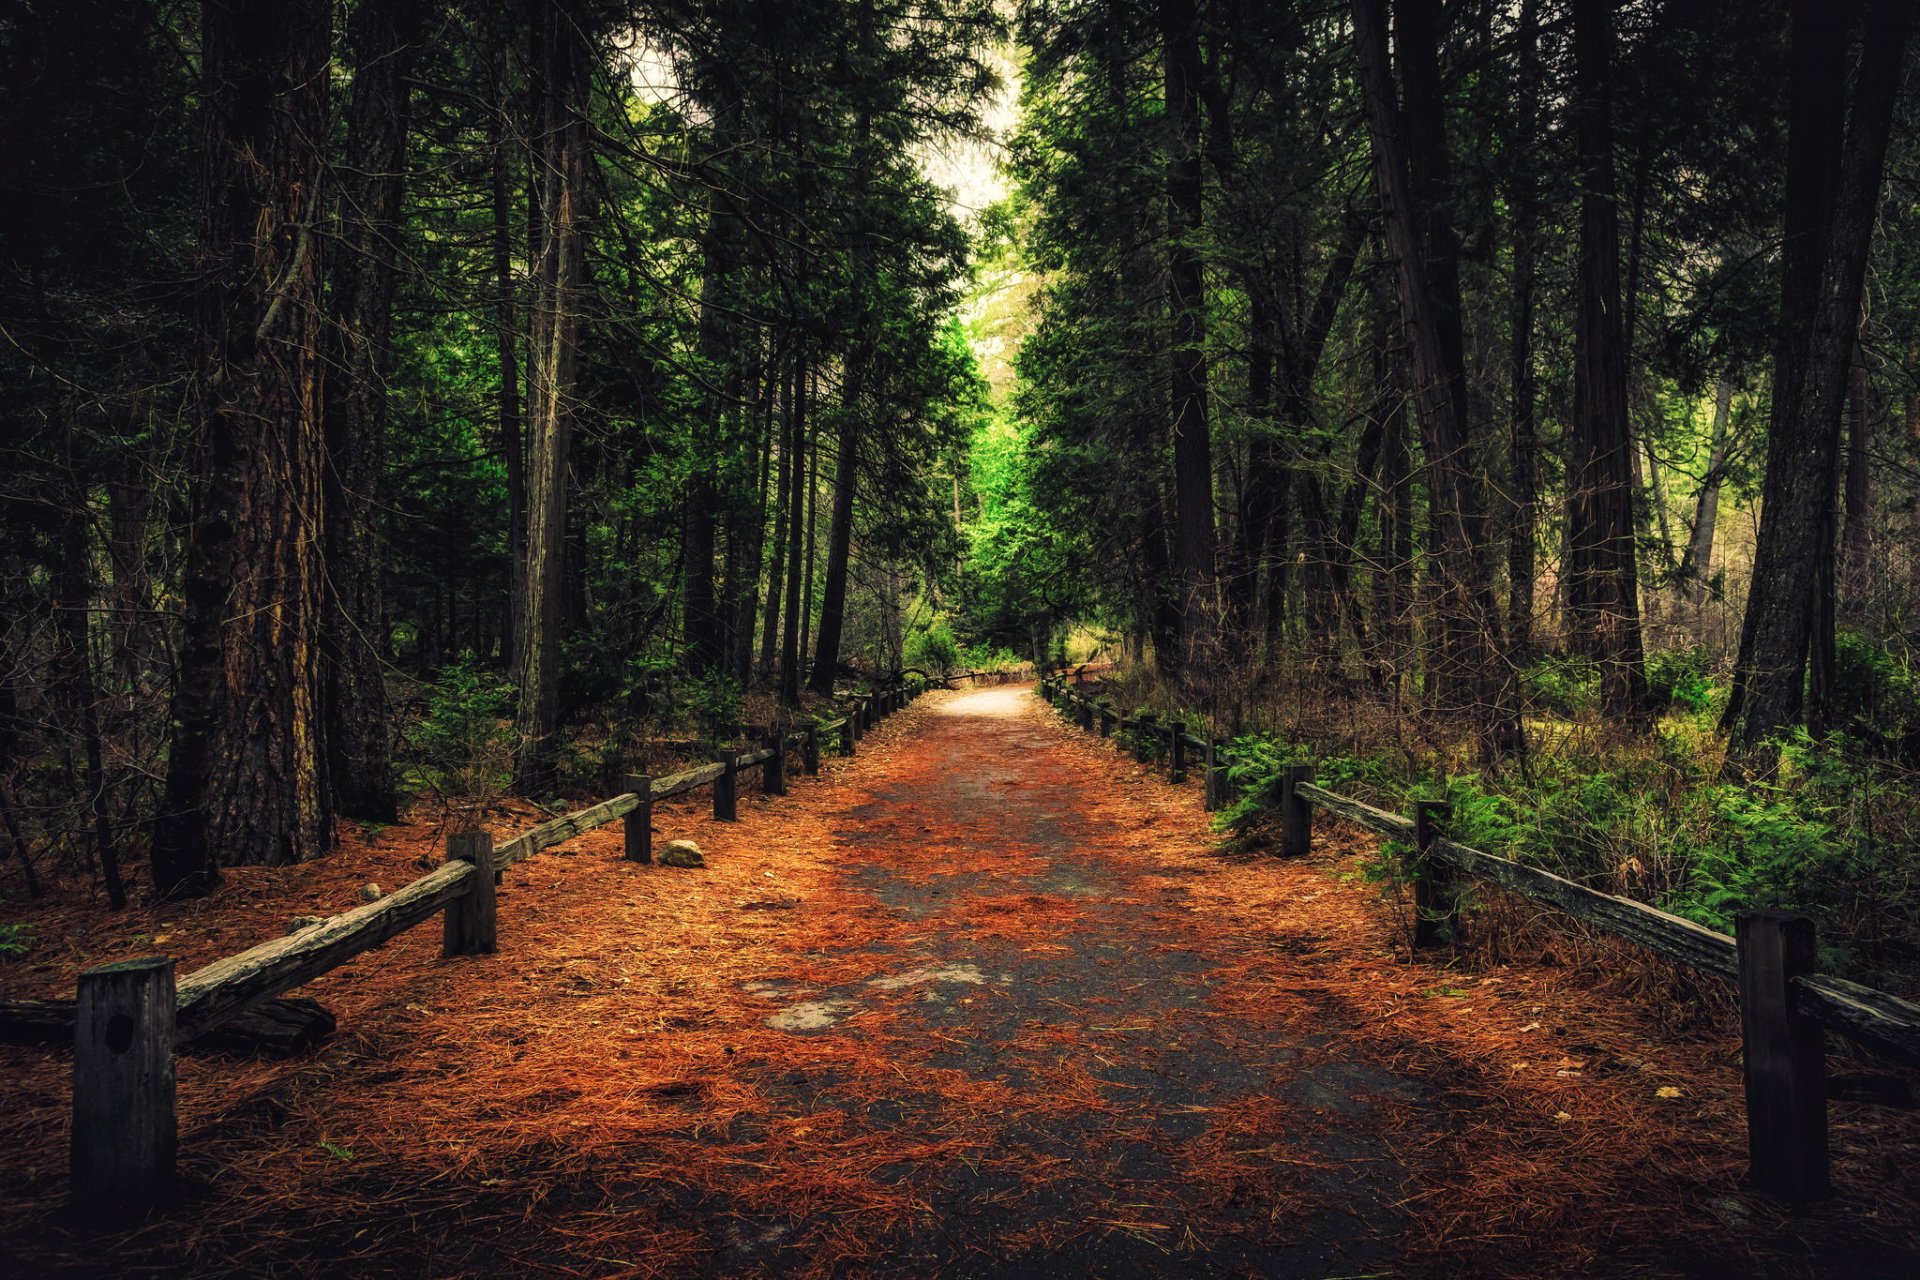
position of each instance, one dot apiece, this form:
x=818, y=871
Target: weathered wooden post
x=848, y=734
x=1177, y=751
x=1216, y=777
x=773, y=779
x=638, y=828
x=810, y=750
x=1436, y=911
x=1086, y=715
x=726, y=787
x=1785, y=1057
x=472, y=919
x=1296, y=812
x=124, y=1130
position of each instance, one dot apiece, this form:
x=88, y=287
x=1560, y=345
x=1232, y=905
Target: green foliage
x=714, y=701
x=931, y=647
x=463, y=742
x=15, y=940
x=987, y=657
x=1874, y=694
x=1254, y=765
x=1567, y=686
x=1679, y=678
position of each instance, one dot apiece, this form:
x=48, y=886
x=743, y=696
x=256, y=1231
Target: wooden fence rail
x=128, y=1017
x=1785, y=1007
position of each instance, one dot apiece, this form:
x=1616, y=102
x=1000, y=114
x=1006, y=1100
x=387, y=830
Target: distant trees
x=1577, y=212
x=509, y=358
x=1837, y=140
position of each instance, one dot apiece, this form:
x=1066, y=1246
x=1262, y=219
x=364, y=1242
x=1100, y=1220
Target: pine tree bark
x=246, y=775
x=1829, y=229
x=1522, y=437
x=799, y=544
x=385, y=39
x=561, y=158
x=77, y=691
x=833, y=594
x=506, y=338
x=1471, y=676
x=777, y=564
x=1696, y=568
x=1192, y=425
x=1603, y=586
x=1856, y=540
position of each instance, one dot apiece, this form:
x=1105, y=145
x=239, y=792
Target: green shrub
x=986, y=657
x=1679, y=678
x=1874, y=695
x=931, y=647
x=464, y=743
x=15, y=940
x=714, y=700
x=1566, y=686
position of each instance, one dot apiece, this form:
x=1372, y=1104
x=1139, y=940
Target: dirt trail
x=986, y=1002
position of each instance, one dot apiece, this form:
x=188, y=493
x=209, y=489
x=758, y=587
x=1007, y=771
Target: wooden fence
x=1785, y=1007
x=128, y=1017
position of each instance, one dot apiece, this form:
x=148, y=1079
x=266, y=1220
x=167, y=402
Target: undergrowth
x=1830, y=832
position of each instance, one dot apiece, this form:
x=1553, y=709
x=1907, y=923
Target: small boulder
x=370, y=892
x=681, y=853
x=298, y=923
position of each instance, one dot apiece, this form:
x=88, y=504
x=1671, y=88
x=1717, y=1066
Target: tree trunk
x=246, y=778
x=799, y=544
x=1603, y=587
x=1696, y=569
x=137, y=644
x=1523, y=200
x=1471, y=676
x=513, y=450
x=1789, y=607
x=809, y=558
x=561, y=153
x=1192, y=430
x=384, y=35
x=776, y=568
x=1856, y=542
x=73, y=590
x=833, y=597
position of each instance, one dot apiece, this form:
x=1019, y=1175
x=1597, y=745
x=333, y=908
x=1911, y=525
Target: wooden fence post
x=847, y=735
x=1436, y=912
x=726, y=788
x=124, y=1130
x=1177, y=751
x=1296, y=813
x=1086, y=715
x=1106, y=720
x=1215, y=778
x=773, y=779
x=638, y=828
x=1785, y=1057
x=810, y=750
x=472, y=919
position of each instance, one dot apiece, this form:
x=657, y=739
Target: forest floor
x=988, y=1001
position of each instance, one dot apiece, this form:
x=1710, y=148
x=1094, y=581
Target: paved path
x=1149, y=1119
x=985, y=1001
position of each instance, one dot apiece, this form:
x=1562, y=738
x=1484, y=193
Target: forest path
x=1104, y=1077
x=985, y=1000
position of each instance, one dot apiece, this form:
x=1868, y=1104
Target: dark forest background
x=1514, y=400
